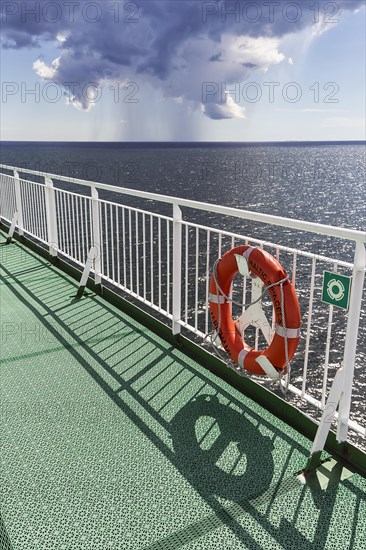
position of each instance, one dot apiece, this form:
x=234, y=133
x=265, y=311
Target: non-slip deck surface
x=110, y=438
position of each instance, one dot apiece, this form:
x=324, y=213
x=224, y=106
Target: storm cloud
x=176, y=46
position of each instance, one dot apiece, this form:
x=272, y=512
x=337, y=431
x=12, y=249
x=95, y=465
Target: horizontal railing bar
x=66, y=192
x=269, y=244
x=21, y=180
x=322, y=229
x=104, y=201
x=133, y=209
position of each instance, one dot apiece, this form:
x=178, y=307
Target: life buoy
x=287, y=330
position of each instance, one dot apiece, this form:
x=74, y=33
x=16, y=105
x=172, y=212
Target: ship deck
x=112, y=438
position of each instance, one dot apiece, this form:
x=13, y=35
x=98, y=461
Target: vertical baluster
x=124, y=248
x=144, y=250
x=137, y=253
x=31, y=207
x=196, y=285
x=36, y=209
x=186, y=279
x=64, y=224
x=73, y=227
x=106, y=232
x=130, y=246
x=244, y=298
x=207, y=278
x=168, y=267
x=294, y=267
x=152, y=257
x=61, y=221
x=88, y=224
x=308, y=330
x=113, y=241
x=327, y=349
x=43, y=220
x=84, y=253
x=96, y=235
x=78, y=239
x=159, y=259
x=27, y=186
x=68, y=226
x=118, y=247
x=18, y=201
x=58, y=213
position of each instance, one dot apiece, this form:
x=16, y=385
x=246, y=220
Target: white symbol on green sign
x=336, y=289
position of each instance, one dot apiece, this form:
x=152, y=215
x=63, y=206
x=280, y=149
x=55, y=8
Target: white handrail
x=320, y=229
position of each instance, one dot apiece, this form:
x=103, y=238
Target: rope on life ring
x=274, y=361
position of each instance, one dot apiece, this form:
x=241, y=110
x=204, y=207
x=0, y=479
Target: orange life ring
x=269, y=270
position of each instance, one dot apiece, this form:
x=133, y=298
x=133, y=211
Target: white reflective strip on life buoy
x=248, y=252
x=216, y=299
x=268, y=368
x=241, y=357
x=290, y=332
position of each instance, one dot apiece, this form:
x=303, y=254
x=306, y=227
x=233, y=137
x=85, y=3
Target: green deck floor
x=112, y=438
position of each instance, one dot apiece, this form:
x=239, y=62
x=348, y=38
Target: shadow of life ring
x=276, y=357
x=221, y=450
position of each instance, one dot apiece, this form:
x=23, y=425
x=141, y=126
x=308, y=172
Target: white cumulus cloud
x=47, y=72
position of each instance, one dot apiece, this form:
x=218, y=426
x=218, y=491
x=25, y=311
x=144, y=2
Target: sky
x=182, y=70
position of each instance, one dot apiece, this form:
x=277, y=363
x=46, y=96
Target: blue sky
x=173, y=70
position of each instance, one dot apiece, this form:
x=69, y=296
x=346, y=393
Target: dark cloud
x=167, y=43
x=216, y=57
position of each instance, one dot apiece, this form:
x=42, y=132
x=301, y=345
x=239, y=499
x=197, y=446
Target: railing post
x=177, y=268
x=92, y=254
x=341, y=390
x=96, y=237
x=51, y=216
x=350, y=347
x=18, y=200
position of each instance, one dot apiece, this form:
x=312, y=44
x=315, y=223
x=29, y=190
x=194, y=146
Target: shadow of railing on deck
x=5, y=543
x=247, y=484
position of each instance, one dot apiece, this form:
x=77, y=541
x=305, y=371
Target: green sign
x=336, y=289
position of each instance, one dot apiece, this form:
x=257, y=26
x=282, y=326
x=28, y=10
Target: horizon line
x=163, y=142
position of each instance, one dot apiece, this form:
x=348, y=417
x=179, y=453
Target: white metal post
x=51, y=216
x=177, y=268
x=329, y=412
x=92, y=254
x=341, y=390
x=96, y=235
x=350, y=347
x=18, y=200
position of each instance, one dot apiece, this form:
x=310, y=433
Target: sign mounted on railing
x=336, y=289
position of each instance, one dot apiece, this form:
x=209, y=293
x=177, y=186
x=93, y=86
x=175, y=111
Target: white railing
x=165, y=262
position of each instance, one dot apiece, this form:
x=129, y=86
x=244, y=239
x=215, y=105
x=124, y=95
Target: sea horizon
x=173, y=143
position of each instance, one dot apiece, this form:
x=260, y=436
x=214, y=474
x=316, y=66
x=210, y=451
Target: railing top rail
x=300, y=225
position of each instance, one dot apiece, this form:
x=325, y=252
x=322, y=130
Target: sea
x=323, y=182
